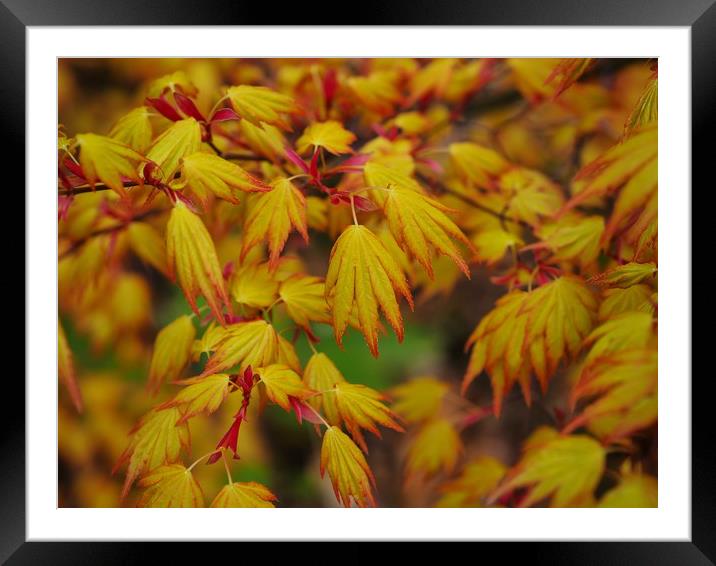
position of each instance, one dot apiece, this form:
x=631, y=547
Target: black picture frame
x=699, y=15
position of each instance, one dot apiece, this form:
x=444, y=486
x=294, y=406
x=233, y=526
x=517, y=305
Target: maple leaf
x=254, y=286
x=633, y=490
x=477, y=164
x=618, y=301
x=419, y=399
x=272, y=215
x=625, y=275
x=321, y=375
x=244, y=344
x=134, y=129
x=362, y=407
x=193, y=261
x=629, y=330
x=171, y=486
x=209, y=341
x=109, y=161
x=330, y=135
x=576, y=240
x=420, y=223
x=207, y=174
x=281, y=382
x=567, y=72
x=646, y=109
x=287, y=354
x=180, y=139
x=382, y=176
x=149, y=245
x=347, y=467
x=177, y=80
x=491, y=245
x=156, y=440
x=66, y=368
x=532, y=196
x=565, y=469
x=530, y=332
x=172, y=352
x=435, y=447
x=378, y=91
x=432, y=79
x=531, y=76
x=244, y=494
x=363, y=276
x=304, y=297
x=261, y=104
x=618, y=382
x=201, y=394
x=479, y=478
x=264, y=139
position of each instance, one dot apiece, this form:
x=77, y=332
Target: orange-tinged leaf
x=578, y=241
x=182, y=138
x=625, y=275
x=281, y=382
x=272, y=215
x=201, y=394
x=565, y=469
x=321, y=375
x=304, y=297
x=66, y=368
x=419, y=399
x=532, y=195
x=171, y=486
x=347, y=467
x=261, y=104
x=193, y=261
x=646, y=110
x=626, y=331
x=156, y=440
x=634, y=490
x=330, y=135
x=264, y=139
x=254, y=286
x=206, y=174
x=244, y=494
x=436, y=447
x=363, y=276
x=148, y=244
x=479, y=478
x=172, y=352
x=361, y=407
x=618, y=301
x=109, y=161
x=134, y=129
x=244, y=344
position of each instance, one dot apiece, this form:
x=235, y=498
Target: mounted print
x=393, y=282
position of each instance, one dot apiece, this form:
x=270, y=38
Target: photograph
x=357, y=282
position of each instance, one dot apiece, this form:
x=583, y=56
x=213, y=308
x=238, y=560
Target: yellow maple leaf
x=244, y=494
x=629, y=330
x=432, y=79
x=148, y=244
x=209, y=341
x=361, y=407
x=492, y=245
x=532, y=196
x=347, y=467
x=646, y=109
x=134, y=129
x=420, y=224
x=172, y=352
x=156, y=440
x=207, y=174
x=565, y=469
x=477, y=164
x=531, y=75
x=193, y=261
x=577, y=240
x=625, y=275
x=287, y=354
x=108, y=160
x=330, y=135
x=171, y=486
x=281, y=382
x=201, y=394
x=264, y=139
x=261, y=104
x=363, y=276
x=635, y=298
x=244, y=344
x=479, y=478
x=419, y=399
x=321, y=375
x=177, y=80
x=378, y=91
x=255, y=286
x=180, y=139
x=633, y=490
x=66, y=368
x=304, y=297
x=435, y=447
x=272, y=215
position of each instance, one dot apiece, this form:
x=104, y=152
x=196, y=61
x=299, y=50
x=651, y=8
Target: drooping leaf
x=108, y=160
x=206, y=174
x=330, y=135
x=304, y=297
x=172, y=352
x=419, y=399
x=244, y=344
x=321, y=375
x=273, y=215
x=66, y=368
x=180, y=139
x=565, y=469
x=363, y=276
x=244, y=494
x=171, y=486
x=281, y=382
x=435, y=447
x=261, y=104
x=347, y=467
x=149, y=245
x=201, y=394
x=193, y=261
